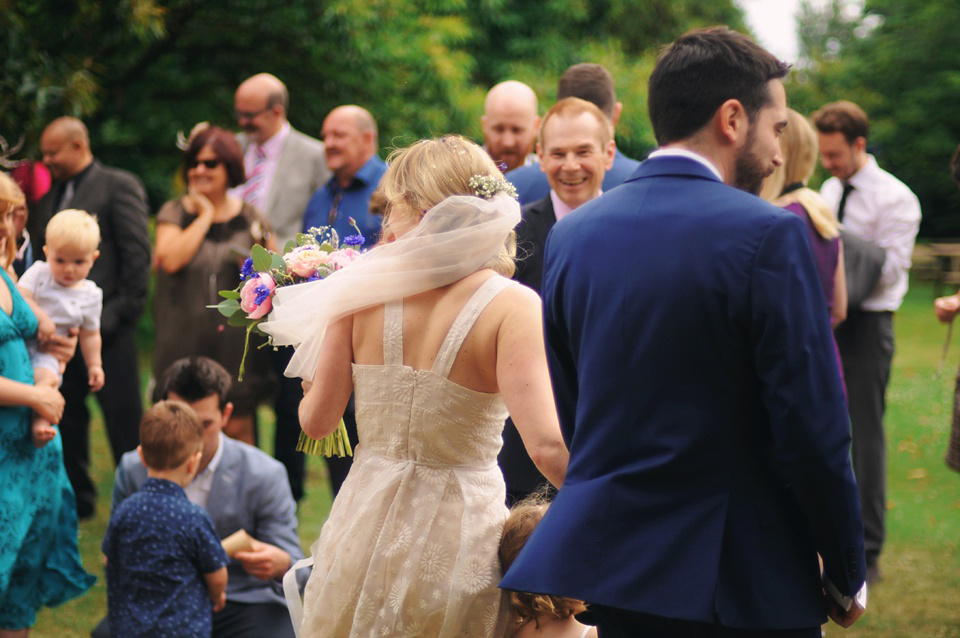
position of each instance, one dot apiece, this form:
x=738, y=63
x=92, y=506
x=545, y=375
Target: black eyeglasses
x=209, y=164
x=249, y=115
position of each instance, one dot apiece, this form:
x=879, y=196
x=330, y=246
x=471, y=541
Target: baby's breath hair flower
x=487, y=187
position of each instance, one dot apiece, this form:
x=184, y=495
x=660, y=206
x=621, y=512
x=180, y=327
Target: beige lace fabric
x=410, y=547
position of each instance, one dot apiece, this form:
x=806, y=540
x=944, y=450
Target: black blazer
x=537, y=220
x=122, y=271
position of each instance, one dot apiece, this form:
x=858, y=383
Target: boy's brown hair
x=170, y=432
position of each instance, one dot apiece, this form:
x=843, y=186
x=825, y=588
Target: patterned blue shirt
x=352, y=201
x=158, y=546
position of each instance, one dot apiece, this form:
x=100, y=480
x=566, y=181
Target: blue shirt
x=531, y=182
x=158, y=546
x=352, y=201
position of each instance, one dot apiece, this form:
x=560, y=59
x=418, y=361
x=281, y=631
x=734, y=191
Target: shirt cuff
x=846, y=602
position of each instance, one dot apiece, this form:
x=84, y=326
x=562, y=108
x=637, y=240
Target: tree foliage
x=138, y=71
x=898, y=59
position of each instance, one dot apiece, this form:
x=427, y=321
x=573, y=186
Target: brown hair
x=224, y=144
x=842, y=117
x=590, y=82
x=573, y=106
x=523, y=519
x=170, y=432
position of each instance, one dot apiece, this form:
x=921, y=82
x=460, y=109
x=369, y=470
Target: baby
x=537, y=615
x=165, y=564
x=63, y=298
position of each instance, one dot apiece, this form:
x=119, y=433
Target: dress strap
x=393, y=333
x=464, y=322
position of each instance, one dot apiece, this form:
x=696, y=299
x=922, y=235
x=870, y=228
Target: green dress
x=39, y=561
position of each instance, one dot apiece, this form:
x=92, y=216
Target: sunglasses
x=209, y=164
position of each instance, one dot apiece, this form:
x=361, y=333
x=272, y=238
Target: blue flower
x=262, y=293
x=353, y=240
x=246, y=272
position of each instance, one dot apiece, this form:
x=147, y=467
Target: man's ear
x=140, y=454
x=617, y=110
x=732, y=121
x=539, y=148
x=860, y=145
x=226, y=412
x=193, y=462
x=611, y=152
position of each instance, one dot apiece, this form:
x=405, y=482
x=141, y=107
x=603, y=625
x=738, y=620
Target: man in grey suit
x=242, y=489
x=284, y=167
x=122, y=271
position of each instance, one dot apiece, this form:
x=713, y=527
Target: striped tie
x=251, y=189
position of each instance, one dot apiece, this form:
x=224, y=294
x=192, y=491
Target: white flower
x=401, y=541
x=477, y=574
x=434, y=563
x=398, y=594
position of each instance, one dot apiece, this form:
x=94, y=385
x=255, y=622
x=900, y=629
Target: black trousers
x=238, y=620
x=621, y=623
x=866, y=346
x=121, y=405
x=289, y=395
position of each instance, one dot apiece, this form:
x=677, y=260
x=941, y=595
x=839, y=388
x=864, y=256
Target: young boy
x=159, y=544
x=63, y=298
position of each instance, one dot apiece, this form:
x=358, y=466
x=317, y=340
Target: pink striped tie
x=251, y=189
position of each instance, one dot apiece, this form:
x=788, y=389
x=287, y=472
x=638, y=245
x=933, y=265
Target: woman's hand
x=47, y=402
x=63, y=347
x=198, y=204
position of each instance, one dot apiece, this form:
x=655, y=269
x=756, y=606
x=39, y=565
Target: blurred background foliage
x=138, y=71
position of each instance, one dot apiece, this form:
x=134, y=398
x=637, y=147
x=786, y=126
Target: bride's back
x=427, y=318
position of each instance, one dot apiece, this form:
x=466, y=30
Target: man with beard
x=510, y=123
x=696, y=381
x=284, y=167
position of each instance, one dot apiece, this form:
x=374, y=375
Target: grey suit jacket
x=301, y=170
x=250, y=491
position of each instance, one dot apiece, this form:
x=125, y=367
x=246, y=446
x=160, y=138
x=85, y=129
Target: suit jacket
x=122, y=271
x=250, y=492
x=531, y=183
x=519, y=472
x=697, y=386
x=301, y=170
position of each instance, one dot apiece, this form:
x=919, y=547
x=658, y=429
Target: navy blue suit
x=531, y=183
x=698, y=390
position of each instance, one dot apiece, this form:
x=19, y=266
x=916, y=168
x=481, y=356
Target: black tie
x=847, y=187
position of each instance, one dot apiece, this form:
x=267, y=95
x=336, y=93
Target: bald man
x=122, y=271
x=510, y=122
x=284, y=167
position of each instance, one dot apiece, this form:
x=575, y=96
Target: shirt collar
x=271, y=148
x=368, y=173
x=560, y=208
x=682, y=152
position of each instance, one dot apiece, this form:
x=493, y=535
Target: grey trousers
x=865, y=341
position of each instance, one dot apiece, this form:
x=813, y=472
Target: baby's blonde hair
x=422, y=175
x=10, y=197
x=74, y=228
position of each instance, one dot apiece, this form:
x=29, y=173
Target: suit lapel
x=285, y=163
x=224, y=480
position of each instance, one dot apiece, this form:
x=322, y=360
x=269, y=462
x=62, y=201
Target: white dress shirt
x=271, y=151
x=682, y=152
x=884, y=210
x=199, y=489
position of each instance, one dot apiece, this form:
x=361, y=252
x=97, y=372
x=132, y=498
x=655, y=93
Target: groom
x=696, y=381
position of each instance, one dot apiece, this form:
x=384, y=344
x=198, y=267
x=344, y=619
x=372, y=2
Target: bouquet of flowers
x=312, y=256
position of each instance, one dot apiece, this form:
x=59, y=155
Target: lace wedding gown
x=410, y=547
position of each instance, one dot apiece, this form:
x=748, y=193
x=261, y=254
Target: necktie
x=847, y=187
x=251, y=189
x=66, y=196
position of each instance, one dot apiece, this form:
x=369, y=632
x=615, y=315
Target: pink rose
x=256, y=294
x=343, y=257
x=303, y=261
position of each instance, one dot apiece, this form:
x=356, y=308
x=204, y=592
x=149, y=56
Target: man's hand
x=62, y=347
x=840, y=616
x=264, y=561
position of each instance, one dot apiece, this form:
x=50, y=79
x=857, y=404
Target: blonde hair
x=798, y=144
x=574, y=106
x=424, y=174
x=523, y=519
x=74, y=228
x=10, y=197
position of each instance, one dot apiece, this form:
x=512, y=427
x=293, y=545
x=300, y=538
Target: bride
x=438, y=346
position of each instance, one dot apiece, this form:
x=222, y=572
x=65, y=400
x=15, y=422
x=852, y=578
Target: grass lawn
x=920, y=594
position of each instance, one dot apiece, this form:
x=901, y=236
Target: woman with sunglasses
x=202, y=239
